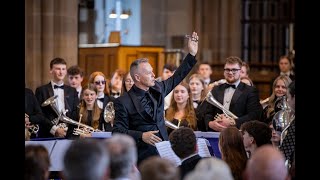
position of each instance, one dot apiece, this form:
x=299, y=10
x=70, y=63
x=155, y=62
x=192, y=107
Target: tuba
x=210, y=99
x=283, y=118
x=52, y=102
x=109, y=113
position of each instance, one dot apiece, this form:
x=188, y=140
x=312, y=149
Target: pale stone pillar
x=51, y=31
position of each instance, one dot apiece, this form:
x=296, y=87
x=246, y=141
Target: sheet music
x=165, y=151
x=203, y=150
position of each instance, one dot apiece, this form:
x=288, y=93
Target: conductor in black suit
x=67, y=97
x=140, y=111
x=240, y=99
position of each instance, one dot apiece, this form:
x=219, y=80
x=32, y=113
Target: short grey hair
x=123, y=155
x=135, y=66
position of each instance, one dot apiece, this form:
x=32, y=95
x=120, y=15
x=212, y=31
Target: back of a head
x=260, y=131
x=157, y=168
x=86, y=159
x=266, y=163
x=183, y=142
x=123, y=155
x=37, y=162
x=210, y=168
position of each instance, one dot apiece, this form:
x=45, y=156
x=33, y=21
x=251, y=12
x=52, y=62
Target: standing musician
x=237, y=97
x=67, y=97
x=139, y=112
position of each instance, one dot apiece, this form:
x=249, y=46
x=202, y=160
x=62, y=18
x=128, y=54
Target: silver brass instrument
x=109, y=113
x=31, y=129
x=210, y=99
x=52, y=102
x=283, y=118
x=170, y=124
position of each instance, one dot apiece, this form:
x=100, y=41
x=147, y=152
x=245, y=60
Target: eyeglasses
x=129, y=81
x=100, y=82
x=231, y=70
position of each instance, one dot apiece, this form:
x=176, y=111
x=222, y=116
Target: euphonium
x=52, y=102
x=213, y=101
x=282, y=119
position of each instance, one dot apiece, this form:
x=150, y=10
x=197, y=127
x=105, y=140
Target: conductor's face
x=145, y=76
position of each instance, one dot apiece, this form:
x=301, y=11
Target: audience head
x=142, y=74
x=75, y=76
x=168, y=71
x=210, y=168
x=205, y=70
x=232, y=69
x=99, y=80
x=58, y=69
x=123, y=155
x=183, y=142
x=157, y=168
x=86, y=159
x=37, y=162
x=255, y=134
x=233, y=151
x=245, y=70
x=266, y=163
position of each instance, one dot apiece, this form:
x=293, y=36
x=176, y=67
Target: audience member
x=209, y=169
x=184, y=145
x=157, y=168
x=86, y=159
x=240, y=99
x=123, y=157
x=232, y=151
x=255, y=134
x=266, y=163
x=36, y=163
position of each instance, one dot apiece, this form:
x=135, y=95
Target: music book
x=165, y=150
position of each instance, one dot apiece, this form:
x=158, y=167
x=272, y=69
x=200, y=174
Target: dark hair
x=183, y=142
x=292, y=89
x=75, y=70
x=37, y=162
x=170, y=67
x=260, y=131
x=57, y=61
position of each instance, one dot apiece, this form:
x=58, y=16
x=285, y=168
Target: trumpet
x=210, y=99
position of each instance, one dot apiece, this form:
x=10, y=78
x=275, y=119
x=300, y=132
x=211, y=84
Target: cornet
x=210, y=99
x=30, y=129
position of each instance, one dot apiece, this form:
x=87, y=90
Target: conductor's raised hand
x=150, y=137
x=193, y=44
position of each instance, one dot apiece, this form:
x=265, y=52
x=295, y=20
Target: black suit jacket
x=188, y=165
x=33, y=109
x=132, y=119
x=71, y=101
x=244, y=104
